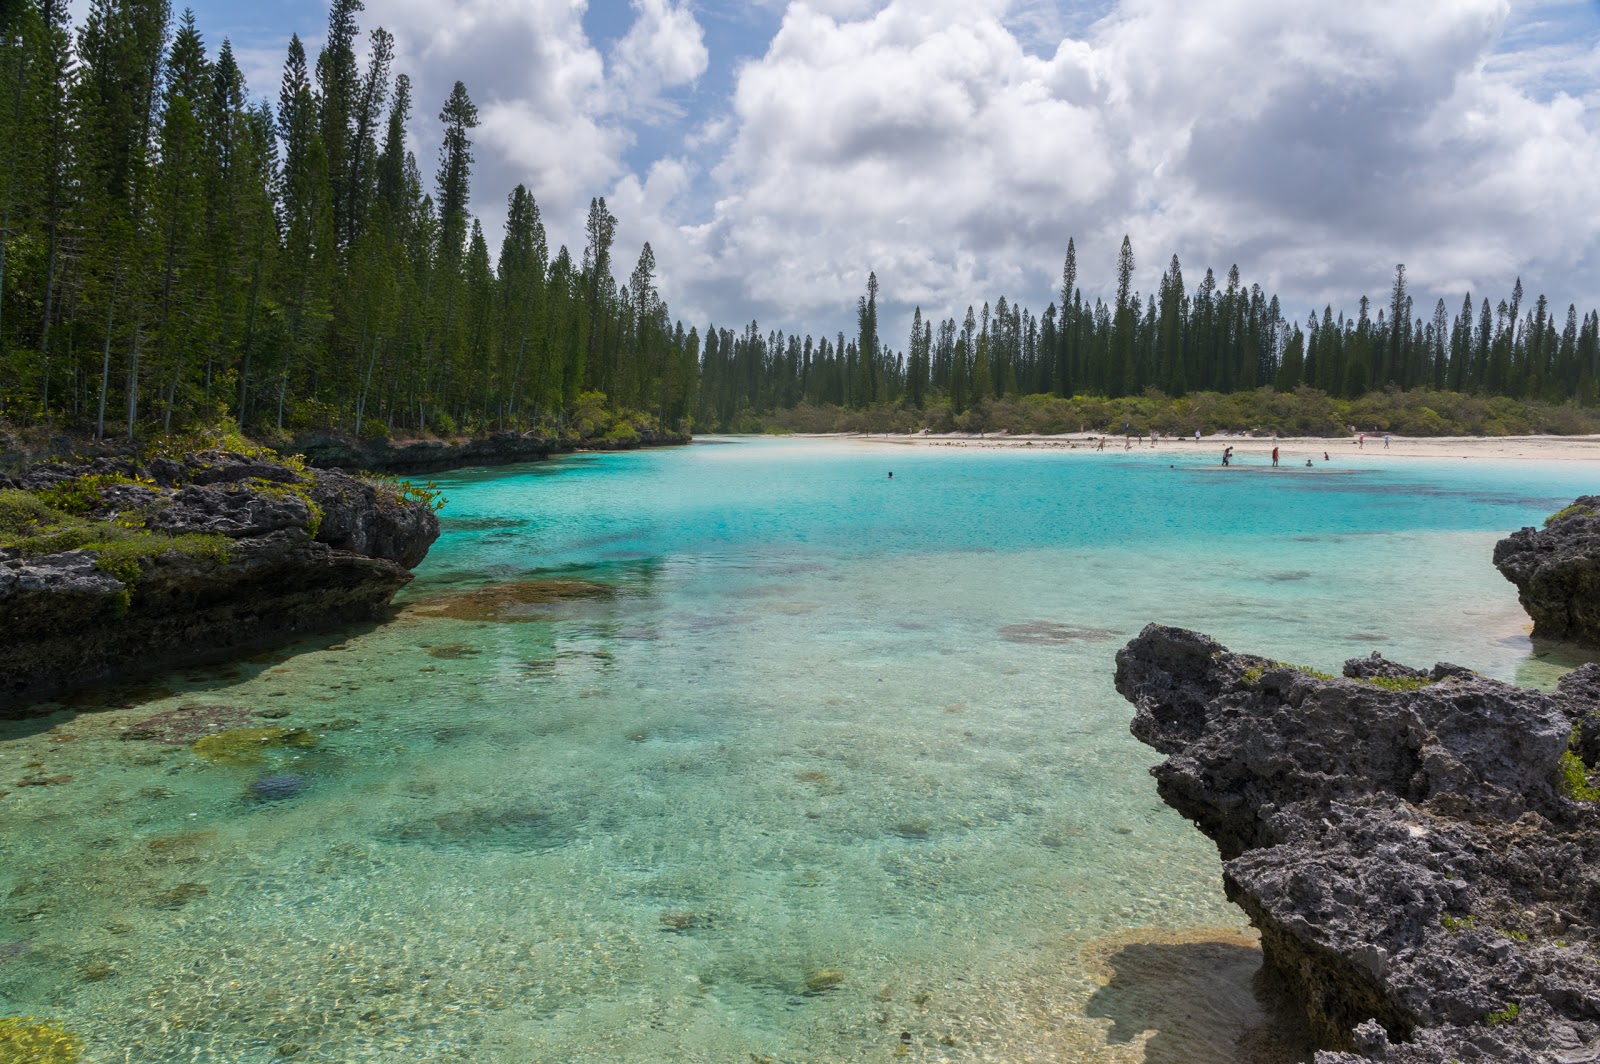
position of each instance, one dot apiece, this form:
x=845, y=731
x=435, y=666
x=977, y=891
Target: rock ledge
x=1418, y=849
x=1557, y=573
x=271, y=551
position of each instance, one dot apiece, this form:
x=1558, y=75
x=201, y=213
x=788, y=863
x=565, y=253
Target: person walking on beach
x=1361, y=441
x=1386, y=441
x=1274, y=458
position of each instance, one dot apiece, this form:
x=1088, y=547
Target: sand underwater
x=735, y=752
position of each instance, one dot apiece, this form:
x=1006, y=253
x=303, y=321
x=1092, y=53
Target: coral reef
x=1425, y=887
x=1557, y=572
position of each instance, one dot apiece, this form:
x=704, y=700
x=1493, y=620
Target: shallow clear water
x=793, y=762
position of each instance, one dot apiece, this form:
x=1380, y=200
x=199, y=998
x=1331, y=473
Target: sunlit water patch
x=729, y=753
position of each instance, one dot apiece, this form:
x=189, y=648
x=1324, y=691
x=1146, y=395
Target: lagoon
x=741, y=751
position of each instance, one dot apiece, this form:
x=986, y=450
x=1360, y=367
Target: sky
x=775, y=152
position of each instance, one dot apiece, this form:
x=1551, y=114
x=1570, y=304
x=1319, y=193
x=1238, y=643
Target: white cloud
x=554, y=114
x=954, y=145
x=664, y=48
x=934, y=142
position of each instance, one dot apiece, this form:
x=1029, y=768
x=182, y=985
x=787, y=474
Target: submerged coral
x=184, y=725
x=1053, y=632
x=509, y=602
x=25, y=1040
x=277, y=788
x=246, y=746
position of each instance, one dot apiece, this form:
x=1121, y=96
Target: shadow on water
x=1198, y=1002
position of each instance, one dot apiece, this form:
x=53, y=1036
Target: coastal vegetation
x=176, y=250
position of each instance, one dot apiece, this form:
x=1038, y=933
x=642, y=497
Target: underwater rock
x=822, y=980
x=1047, y=632
x=25, y=1040
x=182, y=726
x=247, y=746
x=508, y=602
x=285, y=552
x=180, y=895
x=1421, y=850
x=514, y=827
x=1557, y=572
x=277, y=788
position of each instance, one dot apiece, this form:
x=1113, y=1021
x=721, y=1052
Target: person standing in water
x=1274, y=458
x=1227, y=455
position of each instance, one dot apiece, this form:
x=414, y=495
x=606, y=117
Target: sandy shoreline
x=1293, y=451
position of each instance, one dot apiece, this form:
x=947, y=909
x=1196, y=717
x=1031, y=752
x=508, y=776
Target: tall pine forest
x=179, y=249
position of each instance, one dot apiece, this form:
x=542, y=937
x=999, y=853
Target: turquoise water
x=746, y=753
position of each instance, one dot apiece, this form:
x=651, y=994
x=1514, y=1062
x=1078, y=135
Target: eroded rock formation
x=175, y=560
x=331, y=451
x=1557, y=573
x=1419, y=850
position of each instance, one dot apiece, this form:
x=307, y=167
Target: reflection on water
x=818, y=767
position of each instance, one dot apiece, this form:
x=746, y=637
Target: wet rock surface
x=1557, y=573
x=1418, y=849
x=289, y=552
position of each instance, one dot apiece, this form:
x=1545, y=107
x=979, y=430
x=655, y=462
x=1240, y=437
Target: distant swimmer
x=1308, y=463
x=891, y=476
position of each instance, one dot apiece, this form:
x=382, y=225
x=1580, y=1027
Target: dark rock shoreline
x=1557, y=573
x=331, y=451
x=269, y=551
x=1420, y=851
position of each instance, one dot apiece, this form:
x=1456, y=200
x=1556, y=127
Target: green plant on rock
x=407, y=493
x=1455, y=924
x=1398, y=683
x=25, y=1040
x=1573, y=779
x=1508, y=1014
x=286, y=490
x=1575, y=510
x=1515, y=936
x=1253, y=674
x=82, y=494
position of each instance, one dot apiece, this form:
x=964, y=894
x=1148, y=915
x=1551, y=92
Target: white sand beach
x=1293, y=451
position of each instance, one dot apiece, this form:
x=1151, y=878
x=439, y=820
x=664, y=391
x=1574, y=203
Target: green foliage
x=407, y=493
x=1266, y=411
x=1453, y=924
x=1398, y=683
x=1575, y=510
x=1254, y=673
x=30, y=527
x=23, y=513
x=80, y=495
x=1515, y=936
x=1508, y=1014
x=429, y=495
x=1573, y=779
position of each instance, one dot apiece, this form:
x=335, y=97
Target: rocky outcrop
x=1557, y=573
x=1418, y=850
x=330, y=451
x=179, y=559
